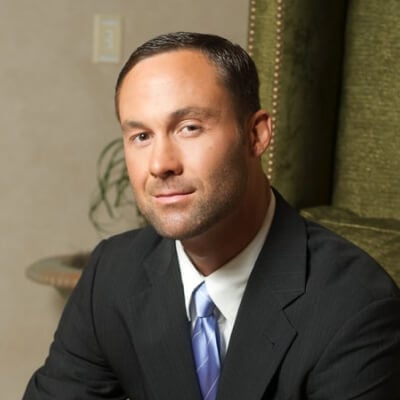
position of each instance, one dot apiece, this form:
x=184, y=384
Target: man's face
x=186, y=160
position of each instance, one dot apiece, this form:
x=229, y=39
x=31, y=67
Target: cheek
x=201, y=162
x=212, y=168
x=207, y=152
x=136, y=172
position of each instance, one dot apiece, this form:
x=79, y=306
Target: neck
x=214, y=248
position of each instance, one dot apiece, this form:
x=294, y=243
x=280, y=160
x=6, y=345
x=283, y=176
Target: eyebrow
x=195, y=112
x=131, y=124
x=199, y=112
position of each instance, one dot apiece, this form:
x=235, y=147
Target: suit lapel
x=262, y=333
x=160, y=330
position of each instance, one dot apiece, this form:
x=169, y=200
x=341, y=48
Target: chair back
x=367, y=157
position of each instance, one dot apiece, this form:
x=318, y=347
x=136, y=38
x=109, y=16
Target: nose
x=165, y=158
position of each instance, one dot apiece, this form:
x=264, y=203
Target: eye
x=140, y=138
x=191, y=129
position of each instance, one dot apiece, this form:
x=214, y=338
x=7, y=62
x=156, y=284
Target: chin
x=178, y=232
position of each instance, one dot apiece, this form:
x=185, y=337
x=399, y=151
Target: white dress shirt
x=227, y=284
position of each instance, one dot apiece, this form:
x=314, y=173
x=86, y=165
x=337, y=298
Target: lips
x=172, y=196
x=169, y=191
x=172, y=193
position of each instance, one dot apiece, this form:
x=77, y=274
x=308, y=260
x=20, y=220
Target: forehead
x=169, y=78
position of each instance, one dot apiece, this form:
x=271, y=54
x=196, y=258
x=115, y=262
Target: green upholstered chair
x=330, y=76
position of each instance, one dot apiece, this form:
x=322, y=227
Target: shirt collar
x=227, y=284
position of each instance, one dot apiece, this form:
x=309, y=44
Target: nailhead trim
x=276, y=74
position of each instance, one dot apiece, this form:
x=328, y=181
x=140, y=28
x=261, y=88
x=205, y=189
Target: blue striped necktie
x=205, y=343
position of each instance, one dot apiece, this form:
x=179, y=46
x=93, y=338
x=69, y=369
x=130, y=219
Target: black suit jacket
x=318, y=320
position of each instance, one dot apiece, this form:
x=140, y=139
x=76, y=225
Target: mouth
x=172, y=197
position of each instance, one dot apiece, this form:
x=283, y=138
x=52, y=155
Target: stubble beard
x=228, y=186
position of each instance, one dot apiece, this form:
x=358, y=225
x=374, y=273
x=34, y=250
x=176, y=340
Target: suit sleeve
x=362, y=361
x=75, y=367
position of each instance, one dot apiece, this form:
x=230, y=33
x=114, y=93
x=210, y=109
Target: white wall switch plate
x=107, y=38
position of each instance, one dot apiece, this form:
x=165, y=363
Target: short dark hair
x=236, y=68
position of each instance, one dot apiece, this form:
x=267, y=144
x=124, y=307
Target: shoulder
x=126, y=240
x=118, y=260
x=338, y=265
x=132, y=245
x=350, y=315
x=331, y=262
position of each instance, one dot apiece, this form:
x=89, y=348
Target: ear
x=260, y=132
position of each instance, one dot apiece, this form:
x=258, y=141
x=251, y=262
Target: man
x=296, y=311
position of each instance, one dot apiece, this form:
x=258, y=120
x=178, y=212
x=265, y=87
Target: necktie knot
x=203, y=304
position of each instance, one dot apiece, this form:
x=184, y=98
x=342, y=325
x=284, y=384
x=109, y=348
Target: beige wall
x=56, y=115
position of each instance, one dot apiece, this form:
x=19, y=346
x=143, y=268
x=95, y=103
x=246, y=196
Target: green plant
x=113, y=188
